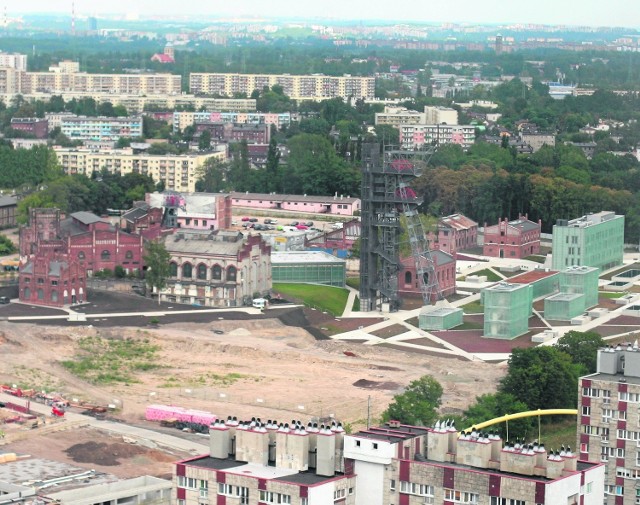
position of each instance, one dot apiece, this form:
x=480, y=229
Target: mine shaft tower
x=386, y=195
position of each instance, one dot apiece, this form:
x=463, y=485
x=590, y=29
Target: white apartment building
x=179, y=172
x=256, y=463
x=183, y=119
x=440, y=115
x=415, y=136
x=14, y=60
x=609, y=421
x=101, y=128
x=297, y=87
x=398, y=116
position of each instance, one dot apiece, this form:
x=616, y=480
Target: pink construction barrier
x=162, y=412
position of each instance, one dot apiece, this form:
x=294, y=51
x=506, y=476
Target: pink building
x=454, y=233
x=337, y=205
x=445, y=267
x=195, y=211
x=512, y=239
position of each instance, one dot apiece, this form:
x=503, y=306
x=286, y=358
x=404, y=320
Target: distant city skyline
x=623, y=13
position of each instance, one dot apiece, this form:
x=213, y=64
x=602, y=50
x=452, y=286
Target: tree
x=6, y=246
x=583, y=348
x=542, y=378
x=204, y=142
x=418, y=404
x=490, y=406
x=156, y=260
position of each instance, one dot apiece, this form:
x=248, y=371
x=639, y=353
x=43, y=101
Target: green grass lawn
x=353, y=282
x=491, y=275
x=473, y=308
x=610, y=294
x=469, y=326
x=536, y=258
x=325, y=298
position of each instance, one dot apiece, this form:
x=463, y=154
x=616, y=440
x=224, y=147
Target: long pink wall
x=163, y=412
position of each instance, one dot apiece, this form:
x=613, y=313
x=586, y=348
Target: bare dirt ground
x=254, y=368
x=93, y=449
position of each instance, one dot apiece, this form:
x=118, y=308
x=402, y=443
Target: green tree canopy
x=418, y=404
x=542, y=378
x=156, y=259
x=582, y=347
x=490, y=406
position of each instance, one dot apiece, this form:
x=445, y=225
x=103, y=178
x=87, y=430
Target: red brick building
x=52, y=279
x=32, y=125
x=95, y=243
x=445, y=267
x=454, y=233
x=252, y=133
x=512, y=239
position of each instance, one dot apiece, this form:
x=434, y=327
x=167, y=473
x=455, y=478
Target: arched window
x=105, y=255
x=232, y=274
x=54, y=296
x=216, y=272
x=187, y=271
x=81, y=255
x=407, y=277
x=173, y=269
x=129, y=255
x=27, y=293
x=202, y=271
x=40, y=294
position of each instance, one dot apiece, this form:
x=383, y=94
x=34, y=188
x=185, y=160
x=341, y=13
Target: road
x=143, y=435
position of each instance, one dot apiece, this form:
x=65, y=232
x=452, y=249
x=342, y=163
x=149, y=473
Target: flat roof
x=626, y=379
x=565, y=297
x=438, y=311
x=307, y=478
x=505, y=286
x=260, y=471
x=532, y=276
x=214, y=463
x=304, y=257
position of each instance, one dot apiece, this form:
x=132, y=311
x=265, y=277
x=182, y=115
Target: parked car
x=308, y=223
x=267, y=221
x=302, y=227
x=253, y=220
x=294, y=223
x=273, y=221
x=245, y=218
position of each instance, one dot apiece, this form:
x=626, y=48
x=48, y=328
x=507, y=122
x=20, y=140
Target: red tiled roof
x=532, y=276
x=162, y=58
x=458, y=222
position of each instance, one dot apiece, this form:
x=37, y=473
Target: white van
x=260, y=303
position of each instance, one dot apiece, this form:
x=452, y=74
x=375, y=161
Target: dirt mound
x=104, y=454
x=367, y=384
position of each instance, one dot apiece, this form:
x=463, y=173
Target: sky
x=552, y=12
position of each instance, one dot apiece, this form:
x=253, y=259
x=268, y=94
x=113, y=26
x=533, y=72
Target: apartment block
x=537, y=140
x=296, y=87
x=179, y=172
x=100, y=128
x=256, y=463
x=609, y=418
x=594, y=240
x=13, y=60
x=31, y=125
x=416, y=136
x=183, y=119
x=440, y=115
x=397, y=116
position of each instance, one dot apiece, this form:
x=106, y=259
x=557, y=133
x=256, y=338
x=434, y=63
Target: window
x=105, y=255
x=586, y=411
x=204, y=489
x=614, y=490
x=416, y=489
x=232, y=273
x=589, y=488
x=375, y=445
x=173, y=269
x=54, y=283
x=182, y=481
x=461, y=496
x=591, y=392
x=271, y=497
x=339, y=494
x=407, y=277
x=392, y=483
x=81, y=255
x=40, y=294
x=202, y=271
x=216, y=272
x=187, y=271
x=128, y=255
x=40, y=280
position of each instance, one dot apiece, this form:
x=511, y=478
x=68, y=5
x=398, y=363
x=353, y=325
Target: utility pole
x=368, y=411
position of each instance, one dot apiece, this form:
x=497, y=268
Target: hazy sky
x=568, y=12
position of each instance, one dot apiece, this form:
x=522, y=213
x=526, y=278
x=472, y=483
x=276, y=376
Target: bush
x=120, y=272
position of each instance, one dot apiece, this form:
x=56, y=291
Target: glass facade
x=507, y=308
